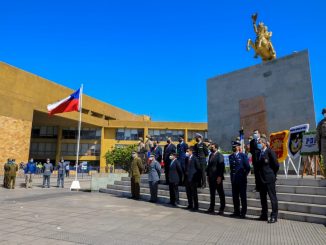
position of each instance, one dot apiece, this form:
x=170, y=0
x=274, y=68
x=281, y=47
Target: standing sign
x=278, y=143
x=295, y=139
x=309, y=144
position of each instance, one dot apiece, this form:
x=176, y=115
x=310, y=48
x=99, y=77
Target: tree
x=120, y=157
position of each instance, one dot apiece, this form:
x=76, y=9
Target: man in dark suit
x=181, y=151
x=157, y=151
x=192, y=176
x=215, y=173
x=175, y=179
x=255, y=153
x=268, y=167
x=169, y=148
x=201, y=152
x=239, y=170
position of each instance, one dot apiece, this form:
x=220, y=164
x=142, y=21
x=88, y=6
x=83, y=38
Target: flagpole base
x=75, y=186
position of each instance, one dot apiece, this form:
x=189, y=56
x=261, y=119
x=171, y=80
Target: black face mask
x=213, y=150
x=155, y=145
x=180, y=141
x=168, y=141
x=197, y=140
x=234, y=149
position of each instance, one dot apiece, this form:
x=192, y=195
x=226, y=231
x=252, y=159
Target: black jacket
x=268, y=166
x=200, y=150
x=168, y=150
x=192, y=170
x=255, y=152
x=215, y=167
x=175, y=172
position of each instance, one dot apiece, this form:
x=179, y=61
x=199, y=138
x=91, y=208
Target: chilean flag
x=71, y=103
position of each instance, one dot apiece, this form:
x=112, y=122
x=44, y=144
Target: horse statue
x=263, y=46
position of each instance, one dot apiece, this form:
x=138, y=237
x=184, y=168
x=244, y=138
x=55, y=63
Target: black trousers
x=192, y=195
x=203, y=165
x=269, y=189
x=213, y=187
x=239, y=189
x=167, y=170
x=174, y=193
x=153, y=186
x=257, y=177
x=135, y=188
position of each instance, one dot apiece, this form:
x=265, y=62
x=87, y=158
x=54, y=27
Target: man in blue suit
x=239, y=168
x=181, y=151
x=175, y=179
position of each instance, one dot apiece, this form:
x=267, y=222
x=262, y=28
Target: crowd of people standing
x=195, y=166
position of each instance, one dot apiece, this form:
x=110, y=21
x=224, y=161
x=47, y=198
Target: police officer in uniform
x=321, y=135
x=135, y=172
x=267, y=169
x=201, y=152
x=239, y=168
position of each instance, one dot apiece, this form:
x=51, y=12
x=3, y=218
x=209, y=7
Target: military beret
x=197, y=135
x=324, y=111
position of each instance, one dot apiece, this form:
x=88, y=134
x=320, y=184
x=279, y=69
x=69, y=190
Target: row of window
x=43, y=149
x=157, y=134
x=44, y=132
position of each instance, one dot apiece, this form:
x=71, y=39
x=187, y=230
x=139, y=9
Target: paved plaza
x=58, y=216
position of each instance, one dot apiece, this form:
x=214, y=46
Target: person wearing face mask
x=192, y=177
x=255, y=152
x=157, y=151
x=154, y=174
x=201, y=152
x=268, y=167
x=169, y=149
x=29, y=171
x=47, y=171
x=239, y=170
x=136, y=168
x=175, y=178
x=181, y=151
x=215, y=174
x=321, y=136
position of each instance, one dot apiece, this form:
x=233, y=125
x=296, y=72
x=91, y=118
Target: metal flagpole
x=75, y=184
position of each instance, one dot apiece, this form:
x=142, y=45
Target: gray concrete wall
x=286, y=85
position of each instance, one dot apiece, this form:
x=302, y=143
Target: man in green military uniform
x=321, y=135
x=135, y=172
x=13, y=168
x=6, y=173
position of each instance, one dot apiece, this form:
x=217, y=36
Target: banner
x=295, y=139
x=309, y=144
x=278, y=143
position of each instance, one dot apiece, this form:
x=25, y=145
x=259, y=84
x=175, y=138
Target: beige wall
x=14, y=139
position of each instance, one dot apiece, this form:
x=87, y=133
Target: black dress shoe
x=210, y=211
x=220, y=212
x=242, y=216
x=235, y=215
x=189, y=207
x=195, y=209
x=272, y=220
x=263, y=218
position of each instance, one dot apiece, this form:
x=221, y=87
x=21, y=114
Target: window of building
x=129, y=134
x=44, y=132
x=163, y=134
x=41, y=149
x=85, y=133
x=84, y=150
x=192, y=134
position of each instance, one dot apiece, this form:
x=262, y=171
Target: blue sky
x=154, y=57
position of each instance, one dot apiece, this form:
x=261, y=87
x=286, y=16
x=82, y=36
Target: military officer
x=13, y=168
x=6, y=174
x=135, y=172
x=201, y=152
x=239, y=168
x=267, y=170
x=321, y=135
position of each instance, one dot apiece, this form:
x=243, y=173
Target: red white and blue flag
x=71, y=103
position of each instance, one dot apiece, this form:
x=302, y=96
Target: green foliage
x=120, y=157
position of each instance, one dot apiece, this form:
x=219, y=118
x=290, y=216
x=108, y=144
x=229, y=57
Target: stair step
x=313, y=218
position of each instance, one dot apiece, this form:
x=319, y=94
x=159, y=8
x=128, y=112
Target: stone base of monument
x=299, y=199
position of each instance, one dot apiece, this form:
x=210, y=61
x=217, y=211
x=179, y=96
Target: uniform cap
x=236, y=143
x=197, y=135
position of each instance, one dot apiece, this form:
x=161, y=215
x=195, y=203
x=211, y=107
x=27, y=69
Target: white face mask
x=171, y=157
x=256, y=136
x=187, y=154
x=151, y=158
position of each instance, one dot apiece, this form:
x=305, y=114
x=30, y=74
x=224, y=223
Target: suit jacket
x=255, y=152
x=158, y=153
x=181, y=150
x=175, y=173
x=168, y=150
x=268, y=166
x=239, y=168
x=192, y=169
x=215, y=167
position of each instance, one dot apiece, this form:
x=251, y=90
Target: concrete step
x=252, y=202
x=281, y=180
x=203, y=205
x=288, y=197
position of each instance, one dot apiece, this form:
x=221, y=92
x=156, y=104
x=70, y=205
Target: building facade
x=26, y=129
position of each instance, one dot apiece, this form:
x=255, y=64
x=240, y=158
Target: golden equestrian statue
x=263, y=46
